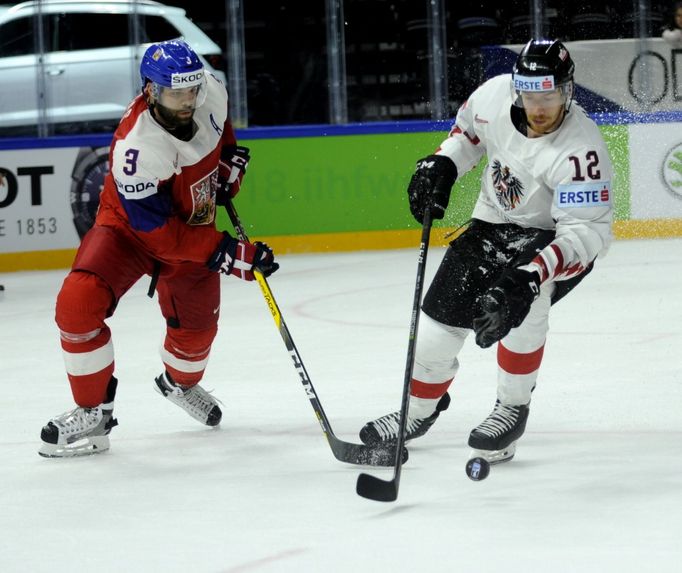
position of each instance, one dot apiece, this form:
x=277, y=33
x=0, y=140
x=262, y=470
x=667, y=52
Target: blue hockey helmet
x=173, y=65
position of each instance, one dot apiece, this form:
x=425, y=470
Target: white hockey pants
x=519, y=356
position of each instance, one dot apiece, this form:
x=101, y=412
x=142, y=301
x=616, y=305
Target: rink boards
x=320, y=188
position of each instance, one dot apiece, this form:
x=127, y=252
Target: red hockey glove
x=235, y=159
x=241, y=259
x=505, y=305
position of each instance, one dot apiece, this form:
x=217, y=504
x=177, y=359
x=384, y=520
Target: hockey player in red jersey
x=174, y=156
x=542, y=217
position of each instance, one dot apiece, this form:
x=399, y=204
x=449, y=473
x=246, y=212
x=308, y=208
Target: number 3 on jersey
x=130, y=167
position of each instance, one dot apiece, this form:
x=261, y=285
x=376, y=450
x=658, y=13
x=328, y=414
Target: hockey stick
x=367, y=485
x=343, y=451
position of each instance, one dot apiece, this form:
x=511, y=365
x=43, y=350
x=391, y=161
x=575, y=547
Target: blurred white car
x=90, y=68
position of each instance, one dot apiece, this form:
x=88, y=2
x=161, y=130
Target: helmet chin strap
x=569, y=95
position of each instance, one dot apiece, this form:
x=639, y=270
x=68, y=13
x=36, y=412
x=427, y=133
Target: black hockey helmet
x=543, y=65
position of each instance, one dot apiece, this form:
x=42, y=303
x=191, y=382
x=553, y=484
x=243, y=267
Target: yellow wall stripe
x=338, y=242
x=358, y=241
x=37, y=260
x=647, y=228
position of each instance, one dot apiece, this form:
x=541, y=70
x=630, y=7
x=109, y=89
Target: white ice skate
x=194, y=400
x=79, y=432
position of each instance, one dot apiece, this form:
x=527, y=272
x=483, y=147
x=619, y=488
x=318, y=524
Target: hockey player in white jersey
x=542, y=217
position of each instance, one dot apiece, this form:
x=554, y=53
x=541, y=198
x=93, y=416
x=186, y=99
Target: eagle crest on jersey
x=508, y=189
x=204, y=199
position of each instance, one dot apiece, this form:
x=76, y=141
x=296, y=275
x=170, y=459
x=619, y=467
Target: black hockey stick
x=370, y=486
x=343, y=451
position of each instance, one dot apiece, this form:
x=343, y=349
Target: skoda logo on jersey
x=187, y=79
x=672, y=170
x=137, y=187
x=533, y=83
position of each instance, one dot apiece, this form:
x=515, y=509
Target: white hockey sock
x=422, y=407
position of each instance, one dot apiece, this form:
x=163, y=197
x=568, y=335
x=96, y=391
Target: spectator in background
x=673, y=31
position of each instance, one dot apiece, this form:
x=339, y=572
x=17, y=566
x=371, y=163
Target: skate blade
x=84, y=447
x=495, y=456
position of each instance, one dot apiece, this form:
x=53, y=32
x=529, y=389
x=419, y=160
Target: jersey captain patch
x=508, y=189
x=597, y=194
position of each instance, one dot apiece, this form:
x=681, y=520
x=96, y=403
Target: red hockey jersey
x=161, y=190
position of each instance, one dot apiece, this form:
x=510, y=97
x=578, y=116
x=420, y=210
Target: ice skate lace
x=387, y=426
x=78, y=420
x=501, y=420
x=195, y=398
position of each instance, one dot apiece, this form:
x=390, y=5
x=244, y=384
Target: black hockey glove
x=505, y=305
x=236, y=158
x=239, y=258
x=430, y=186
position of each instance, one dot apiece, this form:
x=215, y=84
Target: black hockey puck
x=477, y=469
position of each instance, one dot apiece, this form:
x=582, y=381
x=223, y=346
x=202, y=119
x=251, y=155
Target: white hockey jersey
x=559, y=181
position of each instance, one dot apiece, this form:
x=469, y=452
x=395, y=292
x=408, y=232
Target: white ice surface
x=596, y=485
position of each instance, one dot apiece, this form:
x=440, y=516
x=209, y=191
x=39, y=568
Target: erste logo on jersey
x=597, y=194
x=508, y=189
x=533, y=83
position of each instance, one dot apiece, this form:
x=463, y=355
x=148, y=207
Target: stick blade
x=362, y=455
x=372, y=487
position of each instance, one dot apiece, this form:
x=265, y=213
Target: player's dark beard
x=180, y=127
